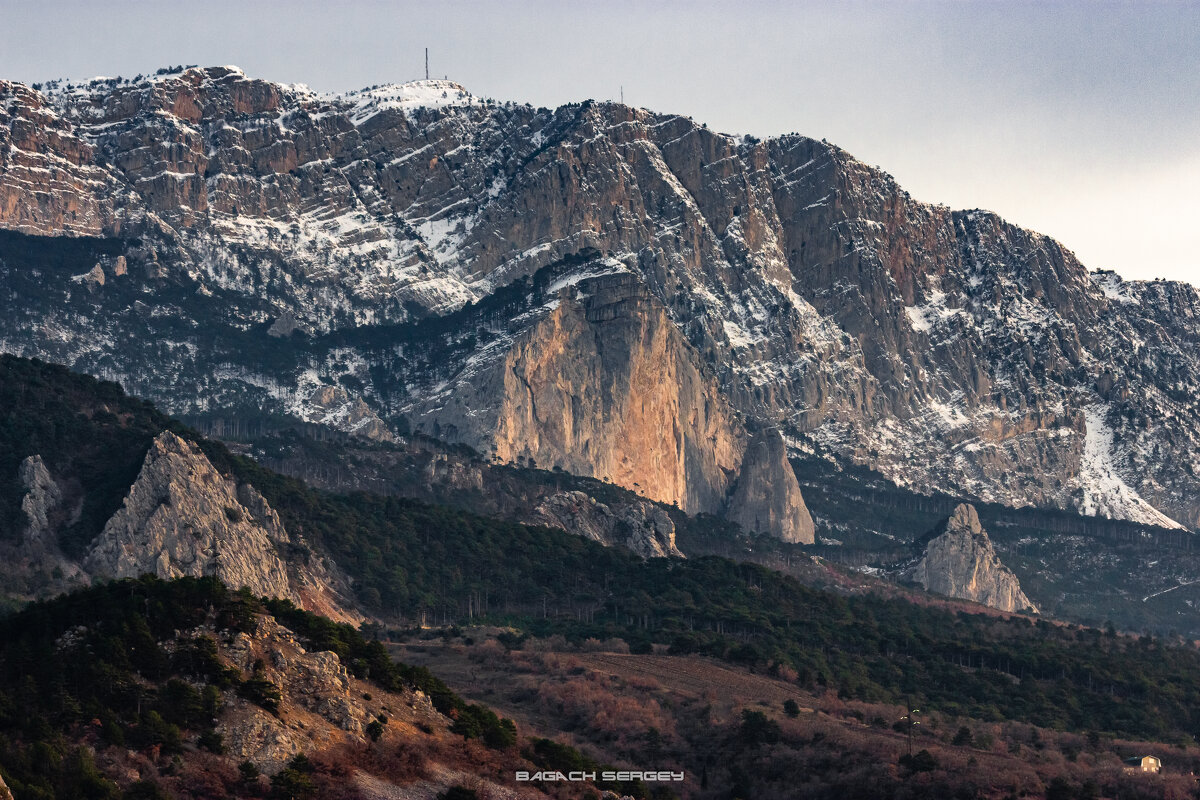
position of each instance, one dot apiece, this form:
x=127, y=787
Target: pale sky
x=1077, y=119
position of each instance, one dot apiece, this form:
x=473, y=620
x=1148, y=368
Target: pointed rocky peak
x=960, y=561
x=964, y=518
x=35, y=565
x=42, y=496
x=182, y=517
x=767, y=497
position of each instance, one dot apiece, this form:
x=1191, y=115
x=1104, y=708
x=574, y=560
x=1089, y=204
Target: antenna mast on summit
x=426, y=63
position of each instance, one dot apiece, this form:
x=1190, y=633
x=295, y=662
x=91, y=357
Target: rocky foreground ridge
x=552, y=285
x=959, y=561
x=321, y=705
x=204, y=692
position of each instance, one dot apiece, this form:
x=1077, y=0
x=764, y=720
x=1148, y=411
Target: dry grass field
x=687, y=712
x=701, y=678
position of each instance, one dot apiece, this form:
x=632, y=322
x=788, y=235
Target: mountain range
x=548, y=286
x=682, y=449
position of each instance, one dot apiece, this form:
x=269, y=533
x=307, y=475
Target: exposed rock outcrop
x=767, y=497
x=5, y=794
x=959, y=561
x=337, y=408
x=284, y=326
x=182, y=517
x=320, y=702
x=642, y=527
x=311, y=683
x=93, y=278
x=42, y=496
x=34, y=565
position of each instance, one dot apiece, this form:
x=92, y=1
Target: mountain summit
x=603, y=289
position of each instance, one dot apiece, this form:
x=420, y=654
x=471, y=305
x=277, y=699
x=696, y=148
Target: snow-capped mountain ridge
x=949, y=350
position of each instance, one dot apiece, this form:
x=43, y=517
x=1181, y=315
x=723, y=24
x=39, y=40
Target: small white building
x=1149, y=764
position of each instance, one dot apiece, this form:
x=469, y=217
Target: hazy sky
x=1080, y=120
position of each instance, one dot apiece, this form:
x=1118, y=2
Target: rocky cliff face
x=42, y=497
x=959, y=561
x=605, y=386
x=183, y=518
x=767, y=498
x=408, y=245
x=335, y=407
x=51, y=181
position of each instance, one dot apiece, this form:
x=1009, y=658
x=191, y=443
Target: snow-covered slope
x=407, y=97
x=1105, y=492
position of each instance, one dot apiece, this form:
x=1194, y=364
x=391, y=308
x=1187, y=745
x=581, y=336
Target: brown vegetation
x=687, y=712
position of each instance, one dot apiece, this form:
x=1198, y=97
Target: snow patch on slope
x=1113, y=287
x=925, y=317
x=1105, y=493
x=609, y=266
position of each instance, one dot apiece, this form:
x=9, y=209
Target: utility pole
x=622, y=95
x=910, y=718
x=426, y=63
